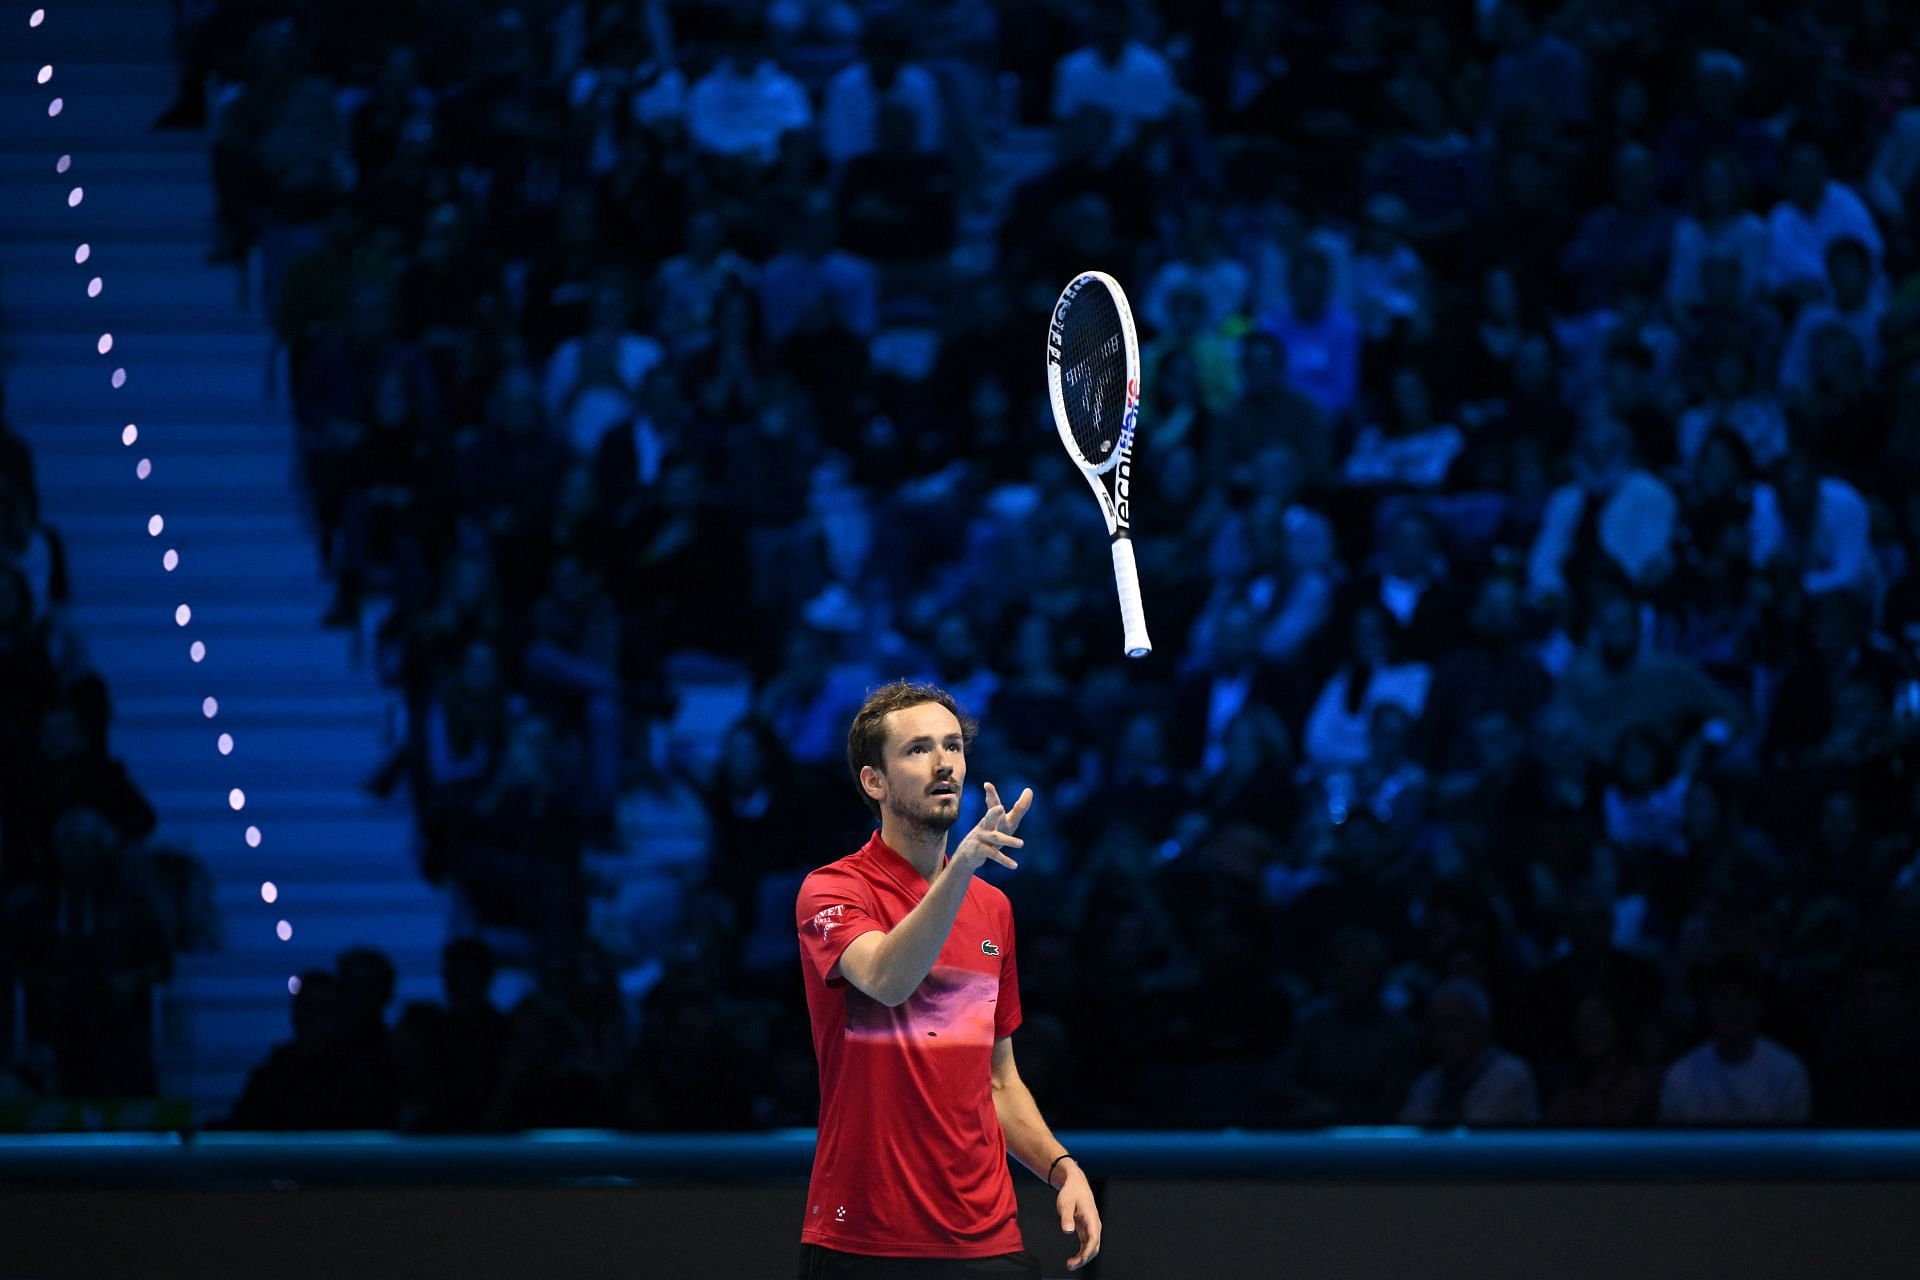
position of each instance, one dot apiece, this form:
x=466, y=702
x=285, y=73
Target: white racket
x=1093, y=375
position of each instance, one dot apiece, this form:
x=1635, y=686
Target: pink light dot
x=170, y=561
x=154, y=525
x=210, y=707
x=53, y=109
x=284, y=930
x=143, y=468
x=197, y=651
x=75, y=196
x=182, y=616
x=119, y=379
x=268, y=893
x=63, y=164
x=293, y=985
x=129, y=434
x=236, y=799
x=253, y=837
x=105, y=344
x=39, y=16
x=46, y=74
x=226, y=744
x=94, y=286
x=81, y=254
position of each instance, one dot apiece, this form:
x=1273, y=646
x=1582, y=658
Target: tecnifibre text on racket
x=1093, y=375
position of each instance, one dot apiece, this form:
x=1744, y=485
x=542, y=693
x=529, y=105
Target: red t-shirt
x=911, y=1161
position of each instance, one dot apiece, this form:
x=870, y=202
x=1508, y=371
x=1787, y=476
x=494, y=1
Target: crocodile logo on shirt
x=988, y=949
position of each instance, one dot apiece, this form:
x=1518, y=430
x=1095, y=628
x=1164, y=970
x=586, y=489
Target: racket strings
x=1093, y=364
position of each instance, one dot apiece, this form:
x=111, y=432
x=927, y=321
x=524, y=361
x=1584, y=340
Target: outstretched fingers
x=1010, y=822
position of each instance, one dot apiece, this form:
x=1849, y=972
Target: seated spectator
x=1814, y=527
x=1621, y=247
x=744, y=105
x=812, y=274
x=593, y=381
x=1719, y=225
x=1852, y=303
x=1817, y=211
x=687, y=285
x=1222, y=282
x=1536, y=66
x=1738, y=1076
x=1320, y=336
x=1611, y=1084
x=1270, y=411
x=1387, y=284
x=1617, y=684
x=1632, y=522
x=1412, y=581
x=1737, y=406
x=1475, y=1082
x=1351, y=1058
x=1129, y=81
x=304, y=1083
x=1713, y=123
x=884, y=76
x=1409, y=449
x=1377, y=672
x=1432, y=169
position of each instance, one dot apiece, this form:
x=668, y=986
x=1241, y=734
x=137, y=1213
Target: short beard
x=932, y=821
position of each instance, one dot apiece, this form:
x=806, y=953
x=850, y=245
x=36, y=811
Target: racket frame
x=1115, y=504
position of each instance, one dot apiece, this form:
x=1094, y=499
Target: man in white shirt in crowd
x=1738, y=1076
x=1130, y=82
x=1476, y=1082
x=1817, y=524
x=1816, y=212
x=746, y=103
x=1855, y=301
x=850, y=113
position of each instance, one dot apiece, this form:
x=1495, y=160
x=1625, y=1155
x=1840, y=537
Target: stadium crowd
x=1526, y=512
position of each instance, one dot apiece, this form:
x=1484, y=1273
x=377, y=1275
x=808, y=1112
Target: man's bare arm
x=890, y=965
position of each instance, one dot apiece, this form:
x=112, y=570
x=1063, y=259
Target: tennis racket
x=1093, y=375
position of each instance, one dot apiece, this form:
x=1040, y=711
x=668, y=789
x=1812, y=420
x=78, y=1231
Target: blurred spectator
x=744, y=104
x=1351, y=1058
x=1320, y=336
x=885, y=76
x=1131, y=83
x=1738, y=1076
x=1611, y=516
x=1475, y=1081
x=1817, y=211
x=1718, y=225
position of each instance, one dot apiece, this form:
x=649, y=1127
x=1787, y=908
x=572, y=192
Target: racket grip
x=1133, y=618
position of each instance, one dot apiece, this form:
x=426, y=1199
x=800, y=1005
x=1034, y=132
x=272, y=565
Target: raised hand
x=993, y=834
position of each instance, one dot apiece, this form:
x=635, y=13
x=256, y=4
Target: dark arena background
x=463, y=464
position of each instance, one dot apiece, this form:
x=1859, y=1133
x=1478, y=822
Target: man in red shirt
x=914, y=997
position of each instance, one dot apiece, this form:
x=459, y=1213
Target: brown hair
x=867, y=737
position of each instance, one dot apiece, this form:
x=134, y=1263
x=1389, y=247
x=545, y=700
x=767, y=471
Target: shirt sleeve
x=834, y=908
x=1006, y=1010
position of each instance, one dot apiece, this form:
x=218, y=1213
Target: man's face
x=926, y=766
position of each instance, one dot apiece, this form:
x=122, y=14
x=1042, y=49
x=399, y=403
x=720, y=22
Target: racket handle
x=1133, y=618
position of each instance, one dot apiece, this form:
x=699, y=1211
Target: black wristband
x=1064, y=1155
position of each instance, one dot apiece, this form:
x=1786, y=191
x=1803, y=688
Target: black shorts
x=818, y=1262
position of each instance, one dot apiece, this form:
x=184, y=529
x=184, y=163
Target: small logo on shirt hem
x=987, y=948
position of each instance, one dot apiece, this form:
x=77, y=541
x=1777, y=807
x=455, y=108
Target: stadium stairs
x=309, y=720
